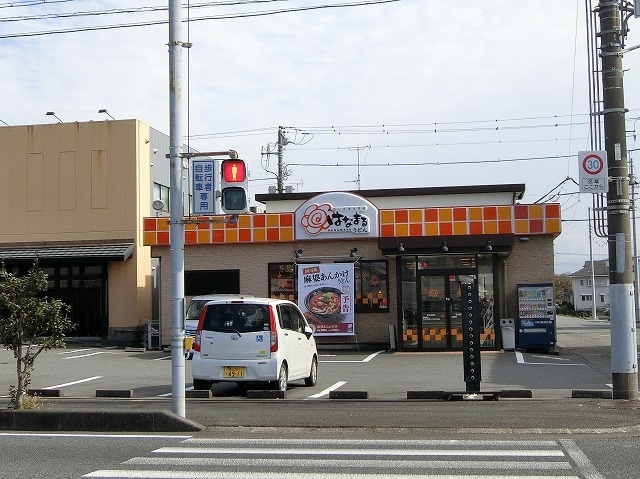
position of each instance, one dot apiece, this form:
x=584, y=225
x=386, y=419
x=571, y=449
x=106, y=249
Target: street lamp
x=51, y=113
x=104, y=110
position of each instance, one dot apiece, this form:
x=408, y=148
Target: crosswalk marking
x=165, y=474
x=373, y=442
x=367, y=452
x=280, y=458
x=346, y=463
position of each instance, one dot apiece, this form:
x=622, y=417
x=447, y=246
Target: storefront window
x=430, y=312
x=450, y=261
x=371, y=285
x=409, y=316
x=486, y=300
x=282, y=281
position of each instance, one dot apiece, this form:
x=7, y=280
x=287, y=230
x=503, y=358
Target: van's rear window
x=240, y=318
x=195, y=307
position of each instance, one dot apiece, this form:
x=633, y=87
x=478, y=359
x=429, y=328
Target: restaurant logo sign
x=336, y=215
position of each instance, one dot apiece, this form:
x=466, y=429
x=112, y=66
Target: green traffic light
x=234, y=200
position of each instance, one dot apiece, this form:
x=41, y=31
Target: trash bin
x=508, y=329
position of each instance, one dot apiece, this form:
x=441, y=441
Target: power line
x=418, y=128
x=30, y=3
x=227, y=16
x=433, y=163
x=457, y=143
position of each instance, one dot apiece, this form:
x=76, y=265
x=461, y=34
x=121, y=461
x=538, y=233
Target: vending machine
x=536, y=322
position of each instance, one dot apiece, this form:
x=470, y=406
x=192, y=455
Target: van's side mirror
x=308, y=332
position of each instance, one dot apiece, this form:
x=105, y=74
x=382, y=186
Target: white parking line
x=552, y=358
x=73, y=351
x=328, y=390
x=164, y=358
x=80, y=381
x=520, y=359
x=166, y=395
x=371, y=356
x=86, y=355
x=365, y=360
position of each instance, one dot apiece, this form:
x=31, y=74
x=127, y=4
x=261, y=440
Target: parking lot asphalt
x=544, y=396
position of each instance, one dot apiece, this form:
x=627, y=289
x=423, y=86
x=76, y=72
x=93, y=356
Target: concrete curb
x=348, y=395
x=265, y=394
x=446, y=396
x=45, y=393
x=114, y=393
x=592, y=394
x=97, y=421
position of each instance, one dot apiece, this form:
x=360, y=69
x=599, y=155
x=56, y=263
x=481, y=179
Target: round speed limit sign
x=593, y=171
x=592, y=164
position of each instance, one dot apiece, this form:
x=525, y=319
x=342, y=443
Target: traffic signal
x=233, y=187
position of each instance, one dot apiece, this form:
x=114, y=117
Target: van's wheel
x=202, y=384
x=313, y=373
x=283, y=378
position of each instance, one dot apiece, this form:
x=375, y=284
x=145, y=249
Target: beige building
x=74, y=196
x=78, y=197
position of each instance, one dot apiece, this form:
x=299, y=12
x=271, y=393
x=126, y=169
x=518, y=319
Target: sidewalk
x=525, y=416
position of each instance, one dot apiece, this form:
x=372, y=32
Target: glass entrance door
x=439, y=307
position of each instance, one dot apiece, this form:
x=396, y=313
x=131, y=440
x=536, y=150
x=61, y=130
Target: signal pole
x=176, y=210
x=624, y=355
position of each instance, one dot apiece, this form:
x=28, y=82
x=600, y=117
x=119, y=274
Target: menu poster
x=325, y=296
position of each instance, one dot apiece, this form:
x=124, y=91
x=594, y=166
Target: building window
x=582, y=282
x=588, y=282
x=201, y=282
x=370, y=283
x=486, y=300
x=602, y=298
x=371, y=287
x=161, y=192
x=282, y=281
x=586, y=297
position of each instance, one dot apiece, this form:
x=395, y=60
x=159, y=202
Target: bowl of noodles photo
x=325, y=304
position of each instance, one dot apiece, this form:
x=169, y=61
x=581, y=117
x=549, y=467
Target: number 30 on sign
x=593, y=171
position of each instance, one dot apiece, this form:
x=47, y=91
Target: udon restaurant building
x=377, y=268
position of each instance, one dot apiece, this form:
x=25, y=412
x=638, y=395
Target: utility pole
x=176, y=210
x=593, y=275
x=624, y=355
x=358, y=149
x=633, y=184
x=281, y=143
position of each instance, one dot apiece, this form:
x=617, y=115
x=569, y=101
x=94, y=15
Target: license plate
x=233, y=372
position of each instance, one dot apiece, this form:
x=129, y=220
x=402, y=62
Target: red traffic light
x=234, y=171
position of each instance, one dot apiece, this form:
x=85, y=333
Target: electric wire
x=226, y=16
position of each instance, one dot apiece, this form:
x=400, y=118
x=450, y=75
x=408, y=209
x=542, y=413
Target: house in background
x=582, y=285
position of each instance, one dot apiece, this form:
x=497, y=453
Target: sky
x=398, y=94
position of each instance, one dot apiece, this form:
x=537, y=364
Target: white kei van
x=252, y=339
x=193, y=314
